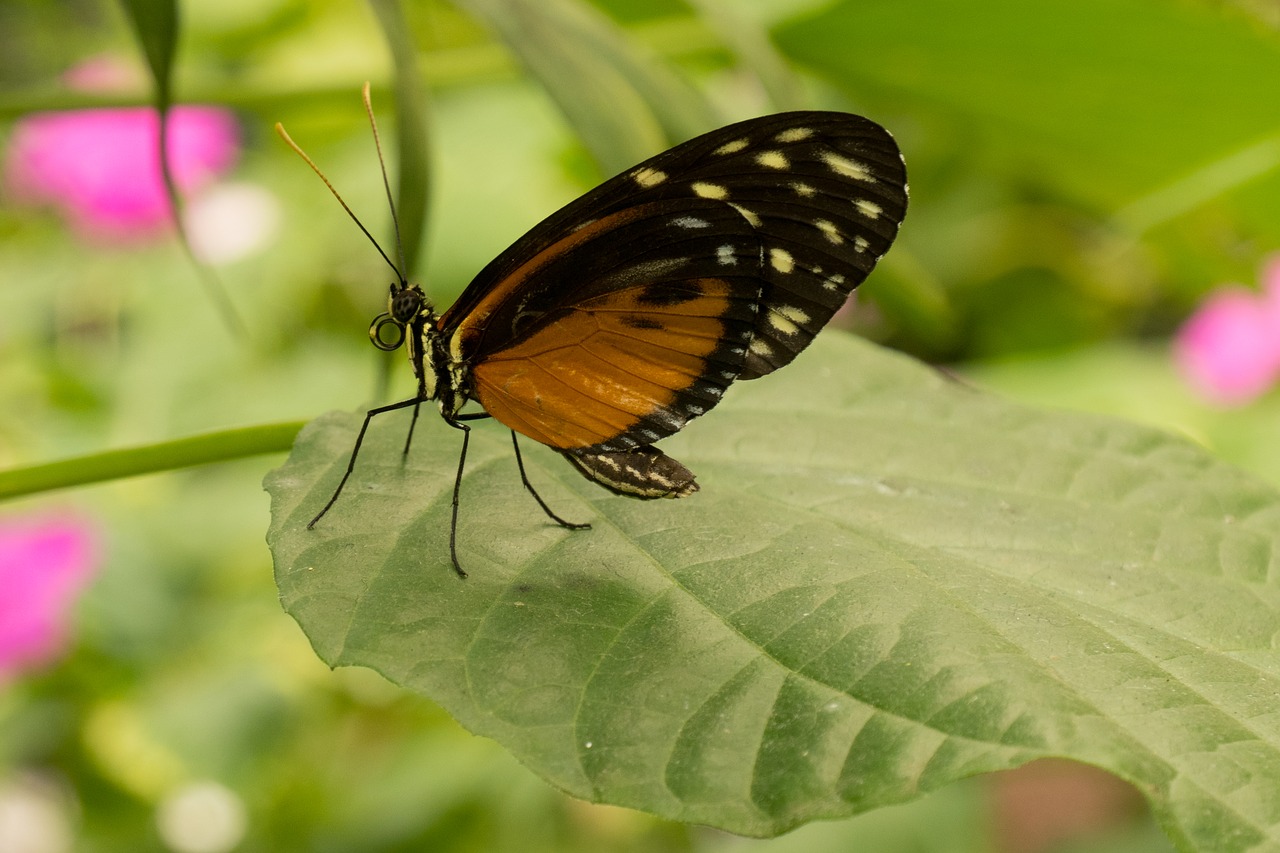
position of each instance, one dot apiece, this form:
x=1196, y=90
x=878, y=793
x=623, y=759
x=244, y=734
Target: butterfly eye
x=381, y=322
x=405, y=304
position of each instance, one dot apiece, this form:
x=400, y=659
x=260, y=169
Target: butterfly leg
x=355, y=451
x=529, y=487
x=408, y=439
x=457, y=490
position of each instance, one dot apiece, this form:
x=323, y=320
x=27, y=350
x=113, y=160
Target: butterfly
x=628, y=313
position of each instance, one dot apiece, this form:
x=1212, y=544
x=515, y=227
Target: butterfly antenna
x=298, y=150
x=386, y=182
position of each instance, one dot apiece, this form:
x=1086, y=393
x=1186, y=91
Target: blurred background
x=1095, y=223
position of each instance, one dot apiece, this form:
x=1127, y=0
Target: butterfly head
x=406, y=304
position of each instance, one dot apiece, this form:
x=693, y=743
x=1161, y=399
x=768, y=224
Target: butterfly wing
x=652, y=336
x=628, y=312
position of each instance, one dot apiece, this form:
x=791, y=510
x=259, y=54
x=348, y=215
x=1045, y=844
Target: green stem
x=202, y=449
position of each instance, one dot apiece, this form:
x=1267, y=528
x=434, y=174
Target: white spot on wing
x=795, y=315
x=731, y=147
x=869, y=209
x=834, y=282
x=648, y=177
x=860, y=244
x=794, y=134
x=782, y=325
x=786, y=320
x=690, y=222
x=750, y=216
x=829, y=231
x=724, y=255
x=705, y=190
x=804, y=190
x=761, y=348
x=781, y=260
x=642, y=271
x=848, y=168
x=657, y=268
x=772, y=160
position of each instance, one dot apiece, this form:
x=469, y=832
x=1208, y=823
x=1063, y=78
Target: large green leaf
x=889, y=581
x=1105, y=99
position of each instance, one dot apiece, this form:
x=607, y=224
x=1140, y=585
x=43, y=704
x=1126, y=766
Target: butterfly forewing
x=826, y=193
x=628, y=312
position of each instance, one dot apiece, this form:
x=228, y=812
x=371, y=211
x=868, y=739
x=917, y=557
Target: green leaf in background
x=155, y=25
x=625, y=105
x=888, y=582
x=749, y=39
x=1103, y=99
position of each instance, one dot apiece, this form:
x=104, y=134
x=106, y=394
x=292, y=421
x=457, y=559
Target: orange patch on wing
x=595, y=372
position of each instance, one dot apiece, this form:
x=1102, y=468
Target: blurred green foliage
x=1082, y=172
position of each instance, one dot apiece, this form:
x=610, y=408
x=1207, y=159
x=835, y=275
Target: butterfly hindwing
x=644, y=473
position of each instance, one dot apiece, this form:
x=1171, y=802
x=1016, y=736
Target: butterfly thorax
x=441, y=377
x=417, y=327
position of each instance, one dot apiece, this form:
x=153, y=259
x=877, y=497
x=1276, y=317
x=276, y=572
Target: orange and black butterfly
x=625, y=315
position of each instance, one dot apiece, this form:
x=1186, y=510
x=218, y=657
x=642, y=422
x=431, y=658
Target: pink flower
x=44, y=563
x=1229, y=349
x=101, y=167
